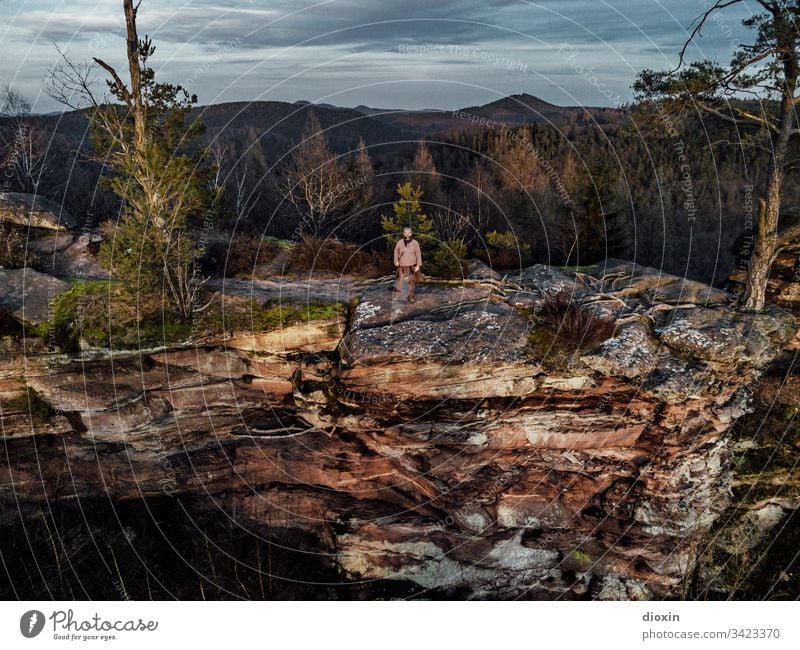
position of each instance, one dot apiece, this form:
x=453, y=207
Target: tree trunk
x=760, y=262
x=135, y=70
x=764, y=251
x=768, y=215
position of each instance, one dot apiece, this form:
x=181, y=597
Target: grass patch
x=101, y=314
x=77, y=313
x=546, y=349
x=573, y=323
x=33, y=404
x=252, y=315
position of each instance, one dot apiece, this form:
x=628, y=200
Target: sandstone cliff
x=443, y=443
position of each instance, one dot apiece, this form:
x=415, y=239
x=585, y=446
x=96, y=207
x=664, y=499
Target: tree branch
x=701, y=20
x=123, y=89
x=788, y=237
x=752, y=120
x=68, y=80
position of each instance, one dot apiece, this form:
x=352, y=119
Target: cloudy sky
x=383, y=53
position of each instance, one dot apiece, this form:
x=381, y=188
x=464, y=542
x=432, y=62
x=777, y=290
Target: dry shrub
x=334, y=256
x=13, y=244
x=240, y=257
x=501, y=259
x=504, y=251
x=573, y=324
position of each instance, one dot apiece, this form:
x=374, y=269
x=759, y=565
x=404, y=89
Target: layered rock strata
x=427, y=442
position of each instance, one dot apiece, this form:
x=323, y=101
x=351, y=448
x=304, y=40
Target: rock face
x=427, y=442
x=68, y=255
x=34, y=211
x=27, y=294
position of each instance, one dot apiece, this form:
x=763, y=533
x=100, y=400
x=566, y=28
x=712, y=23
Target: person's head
x=407, y=233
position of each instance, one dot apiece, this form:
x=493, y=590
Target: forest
x=520, y=186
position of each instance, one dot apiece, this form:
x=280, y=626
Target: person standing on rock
x=407, y=261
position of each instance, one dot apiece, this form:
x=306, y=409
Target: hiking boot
x=411, y=299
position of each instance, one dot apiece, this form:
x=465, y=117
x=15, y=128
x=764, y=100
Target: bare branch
x=787, y=238
x=701, y=21
x=123, y=89
x=71, y=84
x=751, y=120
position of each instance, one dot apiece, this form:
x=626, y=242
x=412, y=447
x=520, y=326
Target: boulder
x=452, y=341
x=630, y=353
x=64, y=255
x=34, y=211
x=27, y=294
x=707, y=334
x=633, y=279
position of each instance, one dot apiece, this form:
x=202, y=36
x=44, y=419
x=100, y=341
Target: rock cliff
x=451, y=443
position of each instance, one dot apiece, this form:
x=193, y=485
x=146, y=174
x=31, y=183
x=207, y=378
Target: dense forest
x=560, y=186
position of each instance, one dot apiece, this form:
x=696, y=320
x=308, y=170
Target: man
x=407, y=261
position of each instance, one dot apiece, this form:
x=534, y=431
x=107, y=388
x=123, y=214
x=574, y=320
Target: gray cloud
x=335, y=45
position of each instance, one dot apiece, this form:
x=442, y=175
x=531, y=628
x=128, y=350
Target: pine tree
x=444, y=258
x=767, y=67
x=408, y=214
x=150, y=248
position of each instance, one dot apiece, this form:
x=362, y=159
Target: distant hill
x=513, y=111
x=279, y=125
x=523, y=109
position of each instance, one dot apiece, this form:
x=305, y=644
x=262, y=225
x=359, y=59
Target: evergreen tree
x=442, y=258
x=143, y=139
x=408, y=214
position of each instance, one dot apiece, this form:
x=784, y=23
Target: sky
x=414, y=54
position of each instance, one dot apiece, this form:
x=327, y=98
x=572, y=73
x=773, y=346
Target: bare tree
x=451, y=224
x=317, y=183
x=234, y=179
x=25, y=152
x=477, y=192
x=14, y=104
x=245, y=197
